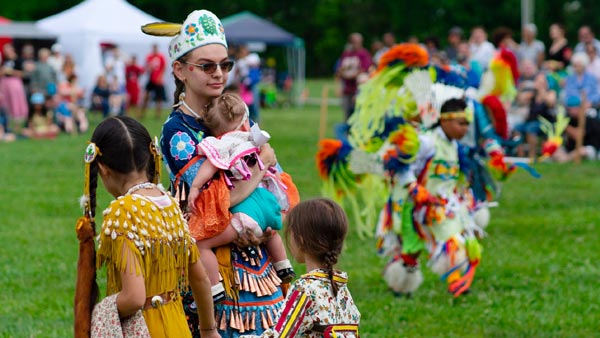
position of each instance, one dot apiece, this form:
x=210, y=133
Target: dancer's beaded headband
x=201, y=28
x=466, y=114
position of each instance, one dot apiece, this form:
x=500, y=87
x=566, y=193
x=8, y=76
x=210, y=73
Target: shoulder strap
x=184, y=169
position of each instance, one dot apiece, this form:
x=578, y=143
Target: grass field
x=539, y=275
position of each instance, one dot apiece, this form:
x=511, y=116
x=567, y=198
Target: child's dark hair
x=224, y=110
x=318, y=226
x=453, y=105
x=124, y=146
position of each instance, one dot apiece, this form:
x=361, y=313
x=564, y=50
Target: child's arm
x=205, y=173
x=201, y=290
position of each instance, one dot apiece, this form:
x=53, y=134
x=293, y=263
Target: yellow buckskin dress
x=155, y=232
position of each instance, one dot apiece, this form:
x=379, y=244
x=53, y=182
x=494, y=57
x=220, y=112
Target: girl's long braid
x=330, y=260
x=319, y=227
x=95, y=291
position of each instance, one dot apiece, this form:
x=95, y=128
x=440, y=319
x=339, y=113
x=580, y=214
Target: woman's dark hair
x=500, y=34
x=453, y=105
x=179, y=85
x=318, y=226
x=124, y=146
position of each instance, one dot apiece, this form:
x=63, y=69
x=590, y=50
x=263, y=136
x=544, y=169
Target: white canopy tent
x=83, y=28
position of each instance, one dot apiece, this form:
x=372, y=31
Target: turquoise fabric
x=261, y=206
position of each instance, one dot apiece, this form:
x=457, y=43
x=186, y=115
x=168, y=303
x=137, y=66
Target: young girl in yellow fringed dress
x=144, y=241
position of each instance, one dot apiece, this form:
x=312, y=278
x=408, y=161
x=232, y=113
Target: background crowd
x=547, y=76
x=40, y=96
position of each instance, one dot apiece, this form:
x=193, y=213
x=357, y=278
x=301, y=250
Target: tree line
x=325, y=24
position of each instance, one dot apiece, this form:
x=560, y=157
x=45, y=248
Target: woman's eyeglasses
x=211, y=67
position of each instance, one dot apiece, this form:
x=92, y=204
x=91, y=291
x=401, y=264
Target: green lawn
x=538, y=277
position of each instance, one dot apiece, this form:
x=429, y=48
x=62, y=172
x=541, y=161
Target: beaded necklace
x=144, y=185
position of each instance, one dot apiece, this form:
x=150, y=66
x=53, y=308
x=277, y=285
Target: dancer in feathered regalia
x=404, y=134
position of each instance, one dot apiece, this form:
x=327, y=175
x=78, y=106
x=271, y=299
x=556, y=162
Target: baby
x=234, y=151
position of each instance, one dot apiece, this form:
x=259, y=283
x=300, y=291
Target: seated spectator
x=594, y=66
x=101, y=96
x=40, y=123
x=70, y=115
x=517, y=115
x=5, y=135
x=582, y=82
x=473, y=68
x=541, y=104
x=591, y=137
x=107, y=97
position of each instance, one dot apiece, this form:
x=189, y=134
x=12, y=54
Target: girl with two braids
x=318, y=304
x=144, y=241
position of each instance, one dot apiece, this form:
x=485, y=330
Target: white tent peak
x=104, y=17
x=82, y=28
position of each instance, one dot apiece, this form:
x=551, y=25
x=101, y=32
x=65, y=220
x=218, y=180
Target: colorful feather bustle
x=359, y=194
x=404, y=145
x=554, y=134
x=410, y=54
x=498, y=168
x=383, y=95
x=503, y=67
x=498, y=114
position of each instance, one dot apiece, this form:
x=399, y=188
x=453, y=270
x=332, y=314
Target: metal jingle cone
x=232, y=323
x=246, y=286
x=247, y=321
x=253, y=321
x=223, y=323
x=263, y=320
x=269, y=318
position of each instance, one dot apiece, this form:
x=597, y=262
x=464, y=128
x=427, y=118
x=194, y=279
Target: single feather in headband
x=162, y=28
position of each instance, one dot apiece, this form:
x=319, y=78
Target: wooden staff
x=581, y=129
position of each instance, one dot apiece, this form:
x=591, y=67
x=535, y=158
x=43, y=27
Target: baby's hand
x=192, y=197
x=248, y=238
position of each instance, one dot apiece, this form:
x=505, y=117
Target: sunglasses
x=211, y=67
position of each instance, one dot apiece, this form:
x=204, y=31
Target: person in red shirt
x=155, y=66
x=354, y=60
x=133, y=71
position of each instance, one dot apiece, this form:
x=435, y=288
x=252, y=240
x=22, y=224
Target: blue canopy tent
x=248, y=28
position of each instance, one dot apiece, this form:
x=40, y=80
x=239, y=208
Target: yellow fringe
x=162, y=261
x=226, y=270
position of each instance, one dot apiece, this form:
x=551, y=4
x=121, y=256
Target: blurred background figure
x=455, y=37
x=482, y=50
x=389, y=40
x=40, y=123
x=133, y=71
x=43, y=78
x=355, y=59
x=56, y=60
x=12, y=90
x=156, y=64
x=70, y=114
x=531, y=48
